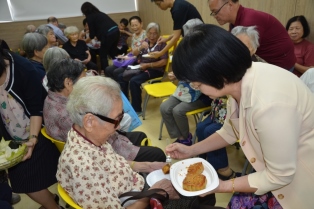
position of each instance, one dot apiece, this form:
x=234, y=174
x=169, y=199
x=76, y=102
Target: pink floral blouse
x=95, y=176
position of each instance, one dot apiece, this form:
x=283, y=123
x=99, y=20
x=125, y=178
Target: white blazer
x=275, y=125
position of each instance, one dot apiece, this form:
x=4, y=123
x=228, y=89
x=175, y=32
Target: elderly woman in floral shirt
x=89, y=169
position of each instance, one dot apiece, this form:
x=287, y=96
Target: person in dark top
x=77, y=49
x=181, y=12
x=22, y=104
x=104, y=28
x=4, y=44
x=124, y=35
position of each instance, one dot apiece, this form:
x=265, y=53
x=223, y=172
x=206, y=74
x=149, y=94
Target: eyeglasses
x=194, y=87
x=216, y=13
x=110, y=120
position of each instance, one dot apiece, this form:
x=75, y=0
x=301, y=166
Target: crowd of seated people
x=66, y=66
x=139, y=35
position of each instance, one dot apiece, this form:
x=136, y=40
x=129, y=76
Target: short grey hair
x=32, y=42
x=53, y=53
x=60, y=69
x=153, y=25
x=251, y=32
x=43, y=30
x=70, y=30
x=30, y=29
x=94, y=94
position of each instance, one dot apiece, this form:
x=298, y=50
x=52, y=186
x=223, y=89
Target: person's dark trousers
x=93, y=54
x=114, y=72
x=218, y=158
x=136, y=137
x=150, y=154
x=5, y=196
x=146, y=153
x=135, y=87
x=91, y=66
x=123, y=50
x=108, y=47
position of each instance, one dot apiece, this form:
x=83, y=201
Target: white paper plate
x=178, y=172
x=156, y=176
x=146, y=55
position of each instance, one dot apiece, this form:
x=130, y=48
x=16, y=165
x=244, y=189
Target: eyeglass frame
x=109, y=120
x=216, y=13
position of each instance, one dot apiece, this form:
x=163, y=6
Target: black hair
x=88, y=8
x=84, y=22
x=3, y=55
x=52, y=19
x=211, y=55
x=124, y=21
x=304, y=23
x=60, y=69
x=135, y=18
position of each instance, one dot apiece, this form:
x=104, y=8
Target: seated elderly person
x=149, y=67
x=77, y=48
x=35, y=45
x=88, y=162
x=53, y=53
x=62, y=74
x=250, y=37
x=47, y=31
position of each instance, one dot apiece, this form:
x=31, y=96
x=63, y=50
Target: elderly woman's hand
x=156, y=166
x=167, y=186
x=144, y=45
x=30, y=148
x=155, y=55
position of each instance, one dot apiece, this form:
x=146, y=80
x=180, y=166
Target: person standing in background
x=104, y=28
x=275, y=45
x=124, y=35
x=298, y=29
x=181, y=12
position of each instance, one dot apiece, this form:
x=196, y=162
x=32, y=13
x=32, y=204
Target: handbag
x=120, y=62
x=151, y=194
x=129, y=73
x=185, y=93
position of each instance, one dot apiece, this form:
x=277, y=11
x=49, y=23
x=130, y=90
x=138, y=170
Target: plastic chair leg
x=161, y=125
x=145, y=105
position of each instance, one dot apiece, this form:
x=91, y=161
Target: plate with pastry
x=156, y=176
x=193, y=177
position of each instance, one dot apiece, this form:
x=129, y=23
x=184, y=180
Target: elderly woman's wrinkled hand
x=168, y=187
x=144, y=45
x=171, y=76
x=155, y=166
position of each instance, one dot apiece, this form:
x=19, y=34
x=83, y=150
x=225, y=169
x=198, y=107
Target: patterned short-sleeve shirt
x=95, y=176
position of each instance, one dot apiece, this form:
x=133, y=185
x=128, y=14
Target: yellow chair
x=146, y=142
x=198, y=115
x=64, y=195
x=59, y=144
x=157, y=90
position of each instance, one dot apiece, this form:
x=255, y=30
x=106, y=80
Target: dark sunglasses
x=110, y=120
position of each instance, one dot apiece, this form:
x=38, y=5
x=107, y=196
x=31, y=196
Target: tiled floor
x=151, y=128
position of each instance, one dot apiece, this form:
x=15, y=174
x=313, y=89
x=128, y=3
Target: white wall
x=41, y=9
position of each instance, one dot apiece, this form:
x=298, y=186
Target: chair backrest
x=64, y=195
x=59, y=144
